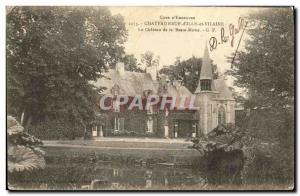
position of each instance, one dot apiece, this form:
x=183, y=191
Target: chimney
x=152, y=71
x=120, y=67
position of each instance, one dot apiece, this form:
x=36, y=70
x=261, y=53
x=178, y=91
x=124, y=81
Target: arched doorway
x=221, y=115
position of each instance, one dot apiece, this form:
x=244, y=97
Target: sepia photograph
x=150, y=98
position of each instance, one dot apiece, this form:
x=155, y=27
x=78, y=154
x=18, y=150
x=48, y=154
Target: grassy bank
x=165, y=151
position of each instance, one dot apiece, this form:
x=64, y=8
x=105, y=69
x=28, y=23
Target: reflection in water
x=79, y=172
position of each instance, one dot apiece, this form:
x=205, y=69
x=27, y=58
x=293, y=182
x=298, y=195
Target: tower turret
x=206, y=75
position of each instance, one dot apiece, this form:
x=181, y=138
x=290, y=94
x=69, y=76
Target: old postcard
x=150, y=98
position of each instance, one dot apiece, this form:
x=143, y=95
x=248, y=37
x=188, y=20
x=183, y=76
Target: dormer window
x=150, y=110
x=116, y=105
x=205, y=85
x=115, y=90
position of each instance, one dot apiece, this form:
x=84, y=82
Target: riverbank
x=174, y=151
x=114, y=142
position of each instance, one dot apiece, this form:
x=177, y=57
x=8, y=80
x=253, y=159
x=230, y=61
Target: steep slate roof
x=134, y=83
x=206, y=69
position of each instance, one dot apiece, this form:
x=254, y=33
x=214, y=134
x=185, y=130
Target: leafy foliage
x=227, y=137
x=57, y=129
x=52, y=55
x=222, y=155
x=266, y=69
x=22, y=158
x=270, y=154
x=23, y=149
x=266, y=66
x=131, y=63
x=149, y=59
x=186, y=71
x=265, y=161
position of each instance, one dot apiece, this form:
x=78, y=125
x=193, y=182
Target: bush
x=55, y=130
x=267, y=163
x=23, y=152
x=268, y=160
x=270, y=153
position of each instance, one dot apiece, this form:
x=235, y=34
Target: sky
x=169, y=45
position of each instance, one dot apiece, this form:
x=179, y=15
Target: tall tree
x=266, y=69
x=131, y=63
x=149, y=59
x=52, y=55
x=187, y=71
x=266, y=66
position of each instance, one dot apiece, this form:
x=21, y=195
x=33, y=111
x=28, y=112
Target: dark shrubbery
x=266, y=141
x=270, y=153
x=223, y=159
x=55, y=130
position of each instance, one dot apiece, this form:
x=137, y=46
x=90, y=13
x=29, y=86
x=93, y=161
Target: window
x=150, y=125
x=148, y=183
x=94, y=131
x=221, y=115
x=205, y=85
x=194, y=133
x=119, y=124
x=100, y=131
x=116, y=106
x=150, y=111
x=115, y=172
x=116, y=124
x=175, y=129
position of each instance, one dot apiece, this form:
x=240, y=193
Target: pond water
x=89, y=172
